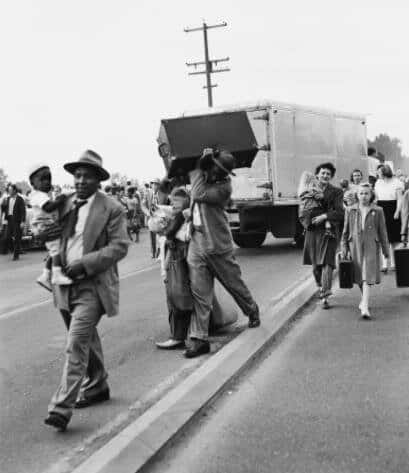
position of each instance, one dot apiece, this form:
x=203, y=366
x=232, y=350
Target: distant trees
x=3, y=180
x=119, y=179
x=390, y=149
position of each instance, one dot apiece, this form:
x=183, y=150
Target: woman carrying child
x=363, y=238
x=322, y=231
x=175, y=271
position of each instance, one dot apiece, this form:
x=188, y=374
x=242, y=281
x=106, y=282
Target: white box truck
x=290, y=139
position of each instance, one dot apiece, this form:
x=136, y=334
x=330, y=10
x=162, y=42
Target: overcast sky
x=102, y=73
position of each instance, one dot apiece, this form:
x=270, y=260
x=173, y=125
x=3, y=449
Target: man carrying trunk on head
x=211, y=248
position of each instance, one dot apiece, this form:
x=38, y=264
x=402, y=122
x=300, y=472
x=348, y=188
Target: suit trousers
x=203, y=268
x=153, y=244
x=84, y=372
x=13, y=236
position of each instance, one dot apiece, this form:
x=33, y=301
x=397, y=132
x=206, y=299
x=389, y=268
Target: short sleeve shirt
x=386, y=189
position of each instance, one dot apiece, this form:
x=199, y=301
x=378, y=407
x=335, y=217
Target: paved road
x=32, y=342
x=333, y=397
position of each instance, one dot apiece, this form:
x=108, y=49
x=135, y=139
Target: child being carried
x=45, y=217
x=311, y=196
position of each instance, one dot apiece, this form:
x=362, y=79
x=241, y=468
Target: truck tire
x=250, y=239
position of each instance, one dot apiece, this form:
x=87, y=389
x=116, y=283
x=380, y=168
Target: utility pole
x=208, y=63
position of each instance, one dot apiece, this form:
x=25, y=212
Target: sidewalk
x=332, y=397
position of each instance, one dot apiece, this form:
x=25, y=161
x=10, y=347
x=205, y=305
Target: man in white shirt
x=94, y=240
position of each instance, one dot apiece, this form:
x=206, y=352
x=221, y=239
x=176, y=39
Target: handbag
x=346, y=272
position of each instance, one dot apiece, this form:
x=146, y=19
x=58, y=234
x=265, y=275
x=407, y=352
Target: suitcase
x=182, y=140
x=346, y=273
x=402, y=266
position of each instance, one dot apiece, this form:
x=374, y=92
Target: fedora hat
x=90, y=159
x=224, y=161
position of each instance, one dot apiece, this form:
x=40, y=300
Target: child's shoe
x=59, y=278
x=45, y=280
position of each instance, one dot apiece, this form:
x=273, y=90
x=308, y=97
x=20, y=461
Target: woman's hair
x=385, y=170
x=353, y=172
x=366, y=185
x=331, y=168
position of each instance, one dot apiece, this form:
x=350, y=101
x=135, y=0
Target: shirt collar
x=90, y=199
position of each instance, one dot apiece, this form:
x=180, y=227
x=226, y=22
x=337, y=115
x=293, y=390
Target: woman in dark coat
x=320, y=246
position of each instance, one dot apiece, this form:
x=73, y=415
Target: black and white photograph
x=204, y=226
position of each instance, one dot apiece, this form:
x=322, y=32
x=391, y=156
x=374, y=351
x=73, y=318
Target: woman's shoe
x=366, y=316
x=325, y=304
x=384, y=270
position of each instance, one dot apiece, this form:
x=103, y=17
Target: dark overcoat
x=319, y=248
x=365, y=244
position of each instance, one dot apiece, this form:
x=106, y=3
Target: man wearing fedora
x=94, y=239
x=210, y=251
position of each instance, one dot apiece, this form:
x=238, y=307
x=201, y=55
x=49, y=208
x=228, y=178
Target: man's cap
x=90, y=159
x=225, y=161
x=155, y=181
x=35, y=168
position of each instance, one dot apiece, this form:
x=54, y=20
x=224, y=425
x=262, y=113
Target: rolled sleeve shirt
x=75, y=244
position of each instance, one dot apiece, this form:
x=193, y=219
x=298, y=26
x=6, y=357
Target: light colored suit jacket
x=105, y=242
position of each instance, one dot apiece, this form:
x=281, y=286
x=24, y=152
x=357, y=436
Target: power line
x=208, y=63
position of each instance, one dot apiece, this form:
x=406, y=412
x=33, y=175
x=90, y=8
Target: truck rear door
x=246, y=184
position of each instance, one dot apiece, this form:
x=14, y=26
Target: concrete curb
x=143, y=439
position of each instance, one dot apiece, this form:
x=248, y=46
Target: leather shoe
x=171, y=344
x=198, y=348
x=91, y=400
x=56, y=420
x=254, y=319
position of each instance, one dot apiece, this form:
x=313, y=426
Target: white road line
x=36, y=305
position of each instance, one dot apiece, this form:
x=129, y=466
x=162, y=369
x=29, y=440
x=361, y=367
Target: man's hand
x=206, y=161
x=320, y=218
x=75, y=270
x=396, y=215
x=22, y=225
x=404, y=239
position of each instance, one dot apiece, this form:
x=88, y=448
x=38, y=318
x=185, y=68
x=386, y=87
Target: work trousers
x=84, y=373
x=323, y=278
x=13, y=237
x=203, y=268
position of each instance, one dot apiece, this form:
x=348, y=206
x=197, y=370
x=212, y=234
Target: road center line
x=36, y=305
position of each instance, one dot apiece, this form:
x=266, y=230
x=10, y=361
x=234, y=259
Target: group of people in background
x=363, y=221
x=139, y=203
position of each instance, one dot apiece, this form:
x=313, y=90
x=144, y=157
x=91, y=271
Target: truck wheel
x=250, y=239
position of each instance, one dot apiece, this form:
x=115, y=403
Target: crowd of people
x=360, y=221
x=16, y=211
x=88, y=230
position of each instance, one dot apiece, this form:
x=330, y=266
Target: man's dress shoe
x=254, y=319
x=91, y=400
x=57, y=421
x=198, y=348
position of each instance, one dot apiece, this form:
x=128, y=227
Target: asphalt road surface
x=32, y=338
x=332, y=397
